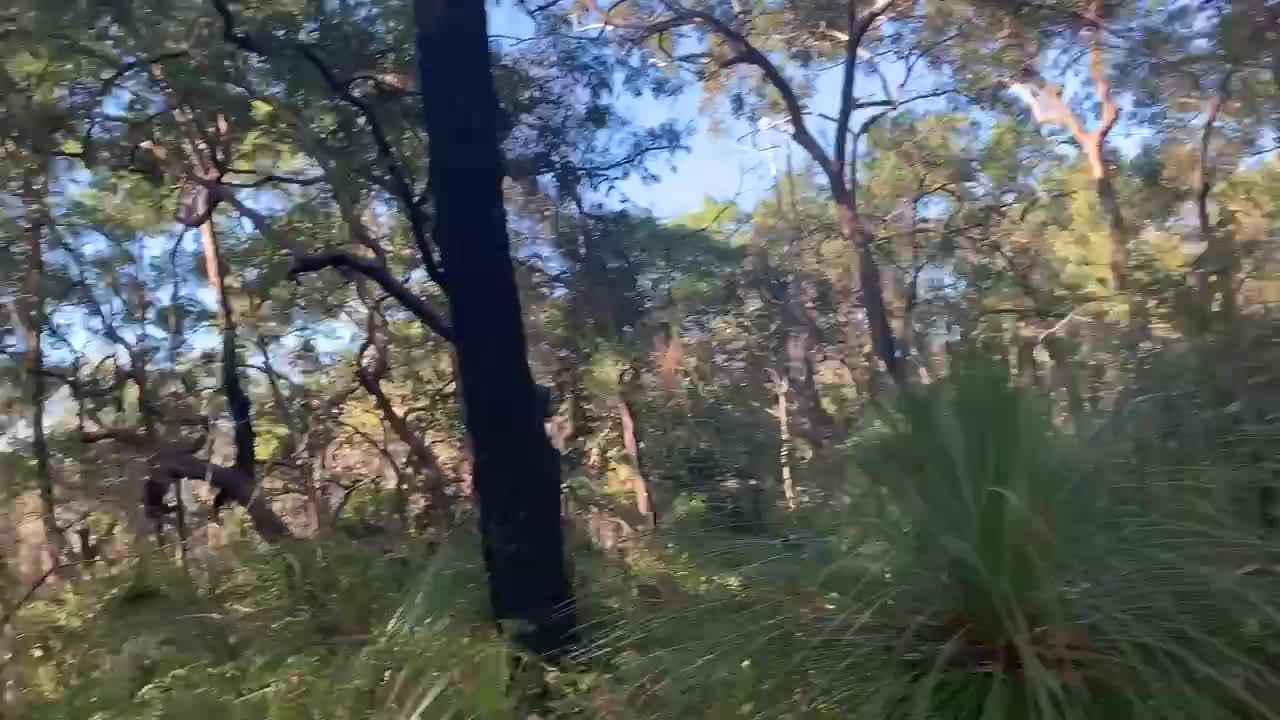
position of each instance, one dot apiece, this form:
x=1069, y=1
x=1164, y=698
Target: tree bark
x=883, y=342
x=1064, y=374
x=1216, y=266
x=833, y=165
x=1048, y=108
x=240, y=487
x=631, y=451
x=434, y=478
x=35, y=319
x=433, y=475
x=245, y=489
x=516, y=472
x=178, y=462
x=238, y=402
x=781, y=385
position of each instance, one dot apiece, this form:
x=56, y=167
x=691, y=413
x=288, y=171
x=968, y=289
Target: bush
x=1006, y=570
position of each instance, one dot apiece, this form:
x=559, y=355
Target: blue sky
x=715, y=166
x=723, y=166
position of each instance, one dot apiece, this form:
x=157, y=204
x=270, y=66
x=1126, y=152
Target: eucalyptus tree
x=764, y=58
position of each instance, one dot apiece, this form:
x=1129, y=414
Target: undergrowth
x=986, y=564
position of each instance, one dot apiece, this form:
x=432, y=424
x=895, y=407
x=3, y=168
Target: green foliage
x=318, y=630
x=1003, y=571
x=1068, y=510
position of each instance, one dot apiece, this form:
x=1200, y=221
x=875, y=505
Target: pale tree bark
x=640, y=487
x=1048, y=108
x=781, y=386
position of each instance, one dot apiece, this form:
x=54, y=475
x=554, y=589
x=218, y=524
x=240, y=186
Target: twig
x=35, y=587
x=1057, y=326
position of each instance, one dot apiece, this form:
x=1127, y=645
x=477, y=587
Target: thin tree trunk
x=433, y=474
x=244, y=488
x=180, y=520
x=1218, y=263
x=780, y=389
x=813, y=423
x=845, y=190
x=322, y=514
x=631, y=450
x=434, y=478
x=263, y=518
x=517, y=472
x=8, y=697
x=390, y=471
x=238, y=402
x=1064, y=374
x=883, y=342
x=35, y=320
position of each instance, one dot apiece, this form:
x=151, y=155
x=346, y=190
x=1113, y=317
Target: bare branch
x=858, y=27
x=1205, y=180
x=270, y=179
x=540, y=8
x=379, y=274
x=304, y=263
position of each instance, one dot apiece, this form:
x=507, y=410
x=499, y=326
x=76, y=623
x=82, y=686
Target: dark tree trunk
x=35, y=321
x=517, y=472
x=238, y=402
x=883, y=341
x=247, y=494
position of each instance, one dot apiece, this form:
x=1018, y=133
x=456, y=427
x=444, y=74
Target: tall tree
x=723, y=38
x=517, y=472
x=34, y=319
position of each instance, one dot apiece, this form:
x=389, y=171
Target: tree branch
x=400, y=183
x=379, y=274
x=745, y=52
x=180, y=462
x=269, y=179
x=1205, y=179
x=858, y=27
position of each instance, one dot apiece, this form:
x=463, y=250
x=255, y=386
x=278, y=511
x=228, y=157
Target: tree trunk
x=434, y=478
x=238, y=402
x=872, y=292
x=1116, y=229
x=517, y=472
x=781, y=386
x=1065, y=375
x=814, y=423
x=631, y=451
x=433, y=475
x=34, y=360
x=264, y=520
x=239, y=487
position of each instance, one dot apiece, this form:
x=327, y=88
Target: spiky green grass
x=993, y=567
